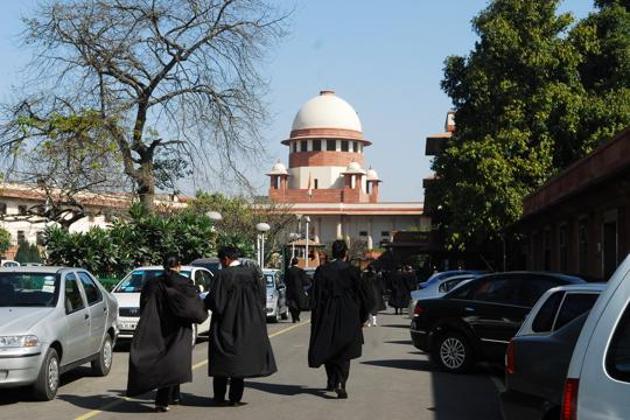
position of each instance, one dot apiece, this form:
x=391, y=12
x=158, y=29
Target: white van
x=598, y=381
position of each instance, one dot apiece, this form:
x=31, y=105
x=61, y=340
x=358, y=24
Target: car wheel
x=453, y=353
x=47, y=382
x=275, y=316
x=103, y=363
x=285, y=315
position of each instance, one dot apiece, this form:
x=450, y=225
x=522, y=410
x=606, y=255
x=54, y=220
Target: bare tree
x=174, y=82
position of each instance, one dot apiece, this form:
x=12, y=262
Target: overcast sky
x=384, y=58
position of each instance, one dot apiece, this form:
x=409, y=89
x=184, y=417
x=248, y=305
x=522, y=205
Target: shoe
x=161, y=409
x=219, y=402
x=341, y=393
x=236, y=404
x=177, y=401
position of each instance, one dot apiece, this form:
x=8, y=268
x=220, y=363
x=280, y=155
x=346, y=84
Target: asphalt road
x=391, y=381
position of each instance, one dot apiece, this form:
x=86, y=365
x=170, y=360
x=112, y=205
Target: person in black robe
x=239, y=347
x=161, y=350
x=400, y=292
x=375, y=285
x=296, y=297
x=341, y=305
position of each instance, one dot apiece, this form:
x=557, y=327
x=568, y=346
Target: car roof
x=206, y=260
x=159, y=267
x=566, y=277
x=588, y=287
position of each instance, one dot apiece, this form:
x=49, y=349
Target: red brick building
x=579, y=221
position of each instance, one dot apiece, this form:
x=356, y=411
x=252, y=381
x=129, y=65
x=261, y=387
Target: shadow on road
x=404, y=342
x=289, y=390
x=406, y=364
x=395, y=326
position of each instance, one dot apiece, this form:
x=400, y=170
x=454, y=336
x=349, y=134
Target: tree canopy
x=524, y=109
x=174, y=84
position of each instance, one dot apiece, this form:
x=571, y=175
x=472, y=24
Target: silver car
x=276, y=295
x=438, y=288
x=53, y=319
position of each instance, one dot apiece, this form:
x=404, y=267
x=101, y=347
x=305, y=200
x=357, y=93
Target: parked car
x=211, y=264
x=475, y=322
x=598, y=381
x=276, y=295
x=127, y=292
x=53, y=319
x=9, y=264
x=538, y=356
x=436, y=277
x=438, y=289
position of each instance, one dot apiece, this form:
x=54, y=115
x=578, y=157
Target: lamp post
x=294, y=237
x=262, y=228
x=307, y=220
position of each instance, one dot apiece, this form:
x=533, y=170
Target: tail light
x=418, y=310
x=510, y=358
x=569, y=399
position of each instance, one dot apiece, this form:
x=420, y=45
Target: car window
x=618, y=357
x=133, y=282
x=92, y=293
x=270, y=279
x=532, y=288
x=449, y=285
x=547, y=313
x=495, y=290
x=28, y=289
x=73, y=299
x=574, y=305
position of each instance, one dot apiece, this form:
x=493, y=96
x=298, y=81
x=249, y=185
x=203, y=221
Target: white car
x=127, y=292
x=276, y=295
x=598, y=381
x=9, y=264
x=438, y=288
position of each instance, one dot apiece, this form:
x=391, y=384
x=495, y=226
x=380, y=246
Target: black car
x=212, y=264
x=476, y=321
x=538, y=357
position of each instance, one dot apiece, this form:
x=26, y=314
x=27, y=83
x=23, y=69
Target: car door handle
x=469, y=309
x=86, y=316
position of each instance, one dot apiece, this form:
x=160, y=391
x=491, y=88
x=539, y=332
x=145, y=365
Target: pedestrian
x=160, y=356
x=296, y=297
x=375, y=285
x=239, y=347
x=341, y=305
x=400, y=292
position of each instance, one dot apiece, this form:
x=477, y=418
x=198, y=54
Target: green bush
x=28, y=253
x=144, y=239
x=5, y=241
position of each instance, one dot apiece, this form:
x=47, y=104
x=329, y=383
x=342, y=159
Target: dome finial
x=326, y=92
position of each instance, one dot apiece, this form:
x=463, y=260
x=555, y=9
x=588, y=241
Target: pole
x=307, y=235
x=262, y=251
x=258, y=249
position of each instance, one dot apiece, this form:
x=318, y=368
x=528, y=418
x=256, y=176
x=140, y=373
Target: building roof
x=372, y=175
x=327, y=111
x=278, y=169
x=354, y=168
x=605, y=162
x=357, y=209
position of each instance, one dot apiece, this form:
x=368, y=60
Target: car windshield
x=270, y=280
x=134, y=281
x=28, y=289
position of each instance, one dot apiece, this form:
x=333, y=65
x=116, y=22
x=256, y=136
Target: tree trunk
x=145, y=181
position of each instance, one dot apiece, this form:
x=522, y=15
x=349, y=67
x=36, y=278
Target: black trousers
x=166, y=396
x=295, y=313
x=237, y=386
x=338, y=372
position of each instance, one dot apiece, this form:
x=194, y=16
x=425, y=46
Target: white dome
x=372, y=175
x=327, y=111
x=278, y=169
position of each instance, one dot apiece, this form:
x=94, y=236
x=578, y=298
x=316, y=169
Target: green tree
x=5, y=240
x=517, y=95
x=240, y=216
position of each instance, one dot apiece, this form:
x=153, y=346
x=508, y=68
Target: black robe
x=341, y=305
x=161, y=349
x=296, y=281
x=239, y=346
x=400, y=290
x=375, y=284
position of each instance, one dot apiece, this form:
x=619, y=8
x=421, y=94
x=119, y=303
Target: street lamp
x=293, y=237
x=215, y=216
x=307, y=220
x=262, y=228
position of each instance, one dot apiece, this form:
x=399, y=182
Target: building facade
x=579, y=221
x=326, y=178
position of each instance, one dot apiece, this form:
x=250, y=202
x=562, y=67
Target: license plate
x=128, y=326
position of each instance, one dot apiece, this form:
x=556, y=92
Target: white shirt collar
x=235, y=263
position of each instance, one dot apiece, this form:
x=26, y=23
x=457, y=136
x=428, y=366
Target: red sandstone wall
x=324, y=158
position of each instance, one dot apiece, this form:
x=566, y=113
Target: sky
x=384, y=58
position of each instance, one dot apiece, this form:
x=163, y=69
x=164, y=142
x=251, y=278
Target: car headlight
x=19, y=341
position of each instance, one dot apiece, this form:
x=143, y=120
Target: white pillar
x=370, y=241
x=339, y=228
